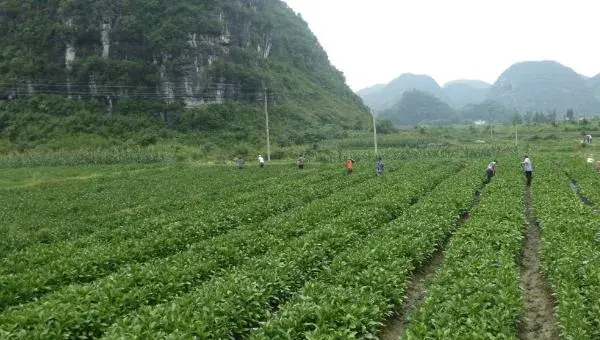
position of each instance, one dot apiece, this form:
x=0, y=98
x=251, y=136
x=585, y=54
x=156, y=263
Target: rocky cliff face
x=197, y=51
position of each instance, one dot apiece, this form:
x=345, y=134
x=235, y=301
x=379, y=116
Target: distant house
x=480, y=122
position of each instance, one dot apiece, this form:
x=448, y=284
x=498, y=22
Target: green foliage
x=385, y=126
x=489, y=110
x=356, y=293
x=464, y=92
x=195, y=46
x=479, y=282
x=569, y=248
x=418, y=107
x=544, y=86
x=385, y=97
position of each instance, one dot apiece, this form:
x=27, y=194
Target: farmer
x=490, y=171
x=301, y=162
x=379, y=166
x=349, y=164
x=588, y=139
x=261, y=161
x=526, y=164
x=240, y=163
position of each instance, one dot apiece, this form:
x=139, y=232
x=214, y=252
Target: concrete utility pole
x=374, y=131
x=267, y=124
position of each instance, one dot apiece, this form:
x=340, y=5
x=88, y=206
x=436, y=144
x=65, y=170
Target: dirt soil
x=415, y=293
x=540, y=320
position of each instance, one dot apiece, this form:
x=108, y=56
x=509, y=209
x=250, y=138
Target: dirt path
x=540, y=321
x=415, y=293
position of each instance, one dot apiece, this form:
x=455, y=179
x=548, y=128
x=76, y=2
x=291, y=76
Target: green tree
x=570, y=115
x=516, y=118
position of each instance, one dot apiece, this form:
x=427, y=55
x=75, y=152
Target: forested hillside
x=464, y=92
x=381, y=98
x=184, y=53
x=544, y=86
x=420, y=107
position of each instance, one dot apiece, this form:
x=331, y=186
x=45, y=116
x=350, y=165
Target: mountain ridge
x=525, y=86
x=180, y=51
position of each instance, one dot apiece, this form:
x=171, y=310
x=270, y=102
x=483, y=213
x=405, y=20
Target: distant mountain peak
x=544, y=86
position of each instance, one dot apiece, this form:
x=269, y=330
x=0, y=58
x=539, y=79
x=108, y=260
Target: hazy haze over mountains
x=536, y=86
x=544, y=86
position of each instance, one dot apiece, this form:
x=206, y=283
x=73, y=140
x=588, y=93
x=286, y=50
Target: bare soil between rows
x=539, y=321
x=415, y=294
x=416, y=290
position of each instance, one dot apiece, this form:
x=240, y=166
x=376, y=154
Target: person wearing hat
x=528, y=168
x=490, y=171
x=261, y=161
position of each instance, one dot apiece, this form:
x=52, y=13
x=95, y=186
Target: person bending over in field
x=349, y=165
x=261, y=161
x=490, y=171
x=380, y=167
x=240, y=163
x=528, y=168
x=301, y=162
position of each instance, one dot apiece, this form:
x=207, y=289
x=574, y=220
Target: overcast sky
x=374, y=41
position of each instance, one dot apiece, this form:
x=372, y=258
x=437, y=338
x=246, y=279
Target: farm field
x=184, y=250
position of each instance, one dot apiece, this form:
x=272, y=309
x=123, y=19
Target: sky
x=375, y=41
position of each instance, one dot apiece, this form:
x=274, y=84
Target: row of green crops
x=476, y=294
x=86, y=310
x=85, y=157
x=222, y=200
x=230, y=305
x=570, y=253
x=56, y=208
x=410, y=153
x=585, y=176
x=38, y=270
x=359, y=290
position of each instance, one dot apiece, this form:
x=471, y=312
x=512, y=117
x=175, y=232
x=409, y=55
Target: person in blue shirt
x=379, y=167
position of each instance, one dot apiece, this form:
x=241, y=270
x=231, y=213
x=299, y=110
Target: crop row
x=586, y=177
x=364, y=284
x=230, y=305
x=86, y=310
x=476, y=294
x=55, y=210
x=570, y=253
x=155, y=211
x=38, y=272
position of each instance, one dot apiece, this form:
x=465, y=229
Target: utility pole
x=267, y=124
x=516, y=135
x=374, y=131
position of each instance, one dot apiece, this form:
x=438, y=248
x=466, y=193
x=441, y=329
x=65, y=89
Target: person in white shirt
x=526, y=164
x=588, y=139
x=490, y=171
x=261, y=161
